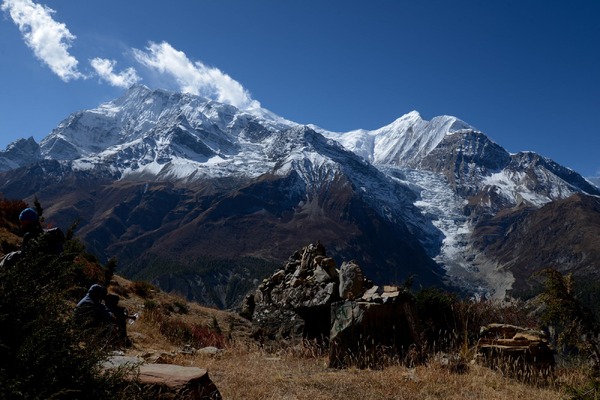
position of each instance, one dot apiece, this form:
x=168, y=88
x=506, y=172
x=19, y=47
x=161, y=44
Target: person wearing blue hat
x=32, y=229
x=30, y=226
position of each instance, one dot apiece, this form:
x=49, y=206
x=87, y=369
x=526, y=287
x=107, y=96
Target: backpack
x=52, y=240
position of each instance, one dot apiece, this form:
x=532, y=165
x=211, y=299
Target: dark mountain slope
x=564, y=235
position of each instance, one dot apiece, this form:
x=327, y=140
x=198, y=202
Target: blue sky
x=525, y=72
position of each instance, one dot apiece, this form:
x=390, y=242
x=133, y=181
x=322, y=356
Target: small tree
x=42, y=354
x=573, y=323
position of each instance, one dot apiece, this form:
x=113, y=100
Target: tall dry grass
x=245, y=371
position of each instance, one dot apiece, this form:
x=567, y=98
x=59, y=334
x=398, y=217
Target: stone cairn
x=517, y=351
x=309, y=298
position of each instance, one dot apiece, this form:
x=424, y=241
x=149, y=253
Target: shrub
x=574, y=324
x=436, y=312
x=177, y=331
x=180, y=307
x=150, y=305
x=9, y=212
x=143, y=289
x=452, y=323
x=41, y=351
x=203, y=336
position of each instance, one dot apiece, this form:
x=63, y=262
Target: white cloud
x=105, y=70
x=49, y=40
x=195, y=77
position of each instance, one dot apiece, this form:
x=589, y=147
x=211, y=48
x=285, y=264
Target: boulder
x=293, y=303
x=385, y=294
x=368, y=334
x=351, y=281
x=308, y=298
x=168, y=381
x=517, y=351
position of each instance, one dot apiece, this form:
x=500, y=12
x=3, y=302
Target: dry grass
x=247, y=372
x=12, y=241
x=244, y=370
x=158, y=305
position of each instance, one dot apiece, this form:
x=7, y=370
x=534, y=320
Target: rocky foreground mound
x=310, y=299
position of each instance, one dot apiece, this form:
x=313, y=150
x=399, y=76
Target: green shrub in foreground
x=42, y=355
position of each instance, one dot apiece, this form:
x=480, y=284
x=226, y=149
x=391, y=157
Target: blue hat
x=28, y=214
x=95, y=288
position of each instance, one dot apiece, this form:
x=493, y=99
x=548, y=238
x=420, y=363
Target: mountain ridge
x=413, y=189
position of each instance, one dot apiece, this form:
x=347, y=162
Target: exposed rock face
x=464, y=157
x=309, y=298
x=520, y=352
x=294, y=302
x=351, y=281
x=19, y=153
x=562, y=235
x=367, y=334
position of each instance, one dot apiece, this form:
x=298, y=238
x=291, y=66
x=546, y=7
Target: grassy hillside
x=42, y=355
x=246, y=370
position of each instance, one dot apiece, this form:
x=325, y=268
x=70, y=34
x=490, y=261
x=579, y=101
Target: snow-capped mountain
x=463, y=179
x=405, y=141
x=19, y=153
x=164, y=178
x=175, y=136
x=170, y=135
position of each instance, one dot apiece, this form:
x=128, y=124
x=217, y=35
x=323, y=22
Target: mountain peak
x=405, y=141
x=19, y=153
x=414, y=115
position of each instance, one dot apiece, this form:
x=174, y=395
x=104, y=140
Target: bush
x=436, y=313
x=42, y=354
x=180, y=332
x=150, y=305
x=573, y=324
x=452, y=323
x=143, y=289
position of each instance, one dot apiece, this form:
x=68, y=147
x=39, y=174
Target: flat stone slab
x=184, y=382
x=174, y=376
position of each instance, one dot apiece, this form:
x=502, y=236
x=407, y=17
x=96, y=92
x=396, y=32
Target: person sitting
x=121, y=317
x=30, y=226
x=90, y=312
x=48, y=241
x=31, y=229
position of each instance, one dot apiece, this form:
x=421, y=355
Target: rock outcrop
x=168, y=381
x=517, y=351
x=294, y=302
x=309, y=298
x=369, y=335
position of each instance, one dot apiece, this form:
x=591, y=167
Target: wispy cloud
x=105, y=70
x=49, y=40
x=195, y=77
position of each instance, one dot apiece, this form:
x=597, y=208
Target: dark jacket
x=92, y=313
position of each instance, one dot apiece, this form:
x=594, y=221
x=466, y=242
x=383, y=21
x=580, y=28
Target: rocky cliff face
x=22, y=152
